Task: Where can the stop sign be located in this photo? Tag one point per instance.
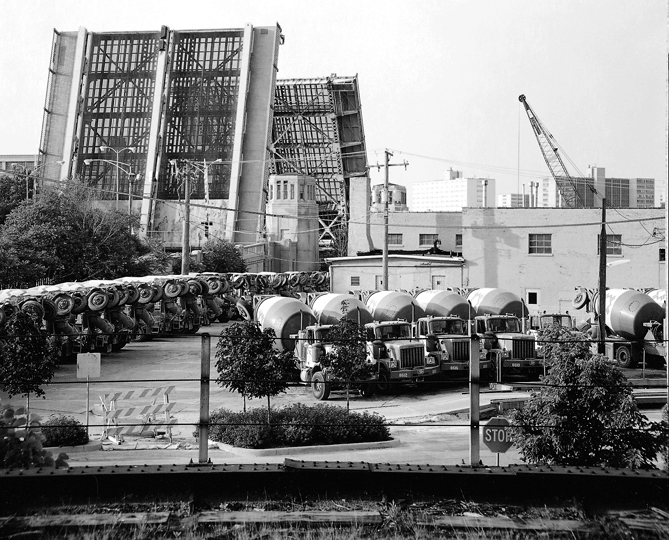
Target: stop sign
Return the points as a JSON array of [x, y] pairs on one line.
[[496, 435]]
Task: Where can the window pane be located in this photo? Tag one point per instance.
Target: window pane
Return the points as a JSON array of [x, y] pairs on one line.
[[395, 239], [427, 239], [540, 243], [458, 240]]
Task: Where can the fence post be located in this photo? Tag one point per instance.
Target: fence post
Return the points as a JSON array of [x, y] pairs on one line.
[[474, 405], [205, 369]]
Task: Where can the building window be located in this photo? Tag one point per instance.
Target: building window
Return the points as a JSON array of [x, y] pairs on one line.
[[540, 244], [532, 297], [662, 255], [355, 281], [285, 191], [278, 191], [427, 239], [458, 240], [271, 191], [613, 244], [395, 239], [292, 191]]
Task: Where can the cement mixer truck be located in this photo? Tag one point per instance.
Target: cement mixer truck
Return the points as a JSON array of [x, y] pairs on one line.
[[444, 331], [499, 320], [399, 355], [634, 326], [313, 341]]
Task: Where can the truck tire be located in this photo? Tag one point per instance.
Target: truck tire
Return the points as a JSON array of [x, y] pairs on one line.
[[320, 387], [580, 299], [244, 309], [383, 384], [624, 357], [367, 389]]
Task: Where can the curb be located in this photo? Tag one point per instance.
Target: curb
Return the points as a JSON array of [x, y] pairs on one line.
[[291, 450], [90, 446]]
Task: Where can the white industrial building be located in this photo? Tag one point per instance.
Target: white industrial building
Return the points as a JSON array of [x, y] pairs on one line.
[[453, 193], [540, 254]]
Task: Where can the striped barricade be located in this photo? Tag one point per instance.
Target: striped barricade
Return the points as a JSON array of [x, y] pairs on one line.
[[122, 417]]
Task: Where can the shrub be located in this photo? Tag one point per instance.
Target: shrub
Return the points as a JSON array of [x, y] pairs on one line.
[[21, 445], [665, 447], [296, 425], [63, 430]]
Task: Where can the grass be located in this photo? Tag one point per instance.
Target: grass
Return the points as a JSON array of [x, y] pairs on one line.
[[397, 519]]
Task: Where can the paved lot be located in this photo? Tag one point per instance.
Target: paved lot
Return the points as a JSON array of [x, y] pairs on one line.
[[423, 417]]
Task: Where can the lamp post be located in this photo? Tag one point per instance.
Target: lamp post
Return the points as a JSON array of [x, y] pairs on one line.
[[120, 165], [117, 152], [185, 237]]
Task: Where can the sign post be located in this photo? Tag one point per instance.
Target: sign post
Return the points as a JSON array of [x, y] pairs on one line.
[[88, 365], [497, 436]]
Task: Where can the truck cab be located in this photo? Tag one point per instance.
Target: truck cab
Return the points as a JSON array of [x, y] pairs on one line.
[[399, 356], [446, 339], [311, 344], [505, 344]]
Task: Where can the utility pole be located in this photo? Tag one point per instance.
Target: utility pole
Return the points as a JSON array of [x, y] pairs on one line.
[[386, 195], [185, 241], [602, 281]]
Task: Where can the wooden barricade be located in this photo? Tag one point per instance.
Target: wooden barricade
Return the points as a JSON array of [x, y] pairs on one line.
[[124, 415]]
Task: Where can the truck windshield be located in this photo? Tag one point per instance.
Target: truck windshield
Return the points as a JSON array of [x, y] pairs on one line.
[[497, 326], [394, 331], [560, 320], [322, 334], [445, 326]]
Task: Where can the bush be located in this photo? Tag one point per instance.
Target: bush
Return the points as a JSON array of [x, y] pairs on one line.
[[21, 445], [665, 447], [296, 425], [63, 430]]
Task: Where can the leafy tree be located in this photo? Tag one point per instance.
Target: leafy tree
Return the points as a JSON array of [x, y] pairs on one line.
[[12, 194], [248, 363], [556, 340], [347, 362], [65, 235], [28, 356], [584, 414], [221, 256]]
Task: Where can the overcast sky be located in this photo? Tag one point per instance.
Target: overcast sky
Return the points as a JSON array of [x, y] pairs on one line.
[[439, 79]]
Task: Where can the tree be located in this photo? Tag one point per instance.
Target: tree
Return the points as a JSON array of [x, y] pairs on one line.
[[221, 256], [248, 363], [584, 414], [28, 356], [347, 362], [12, 194], [66, 236]]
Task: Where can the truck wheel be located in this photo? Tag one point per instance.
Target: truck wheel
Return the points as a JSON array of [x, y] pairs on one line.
[[245, 310], [367, 389], [320, 388], [383, 382], [624, 357], [580, 299]]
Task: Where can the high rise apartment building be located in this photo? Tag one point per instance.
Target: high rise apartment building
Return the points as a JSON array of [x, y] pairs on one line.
[[453, 193], [619, 192]]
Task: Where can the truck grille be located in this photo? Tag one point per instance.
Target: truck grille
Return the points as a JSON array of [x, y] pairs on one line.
[[412, 357], [523, 348], [460, 351]]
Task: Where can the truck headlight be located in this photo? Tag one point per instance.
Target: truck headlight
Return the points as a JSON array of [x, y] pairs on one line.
[[445, 356], [506, 354], [430, 360], [393, 363]]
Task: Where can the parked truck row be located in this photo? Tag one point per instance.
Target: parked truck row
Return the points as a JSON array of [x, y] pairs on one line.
[[104, 315]]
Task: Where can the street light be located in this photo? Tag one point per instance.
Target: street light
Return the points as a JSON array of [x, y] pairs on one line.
[[117, 152], [120, 165]]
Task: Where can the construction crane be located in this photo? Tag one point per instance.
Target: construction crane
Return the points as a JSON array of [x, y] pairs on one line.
[[549, 148]]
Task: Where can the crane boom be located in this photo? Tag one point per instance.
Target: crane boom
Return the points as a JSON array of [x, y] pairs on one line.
[[565, 183]]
